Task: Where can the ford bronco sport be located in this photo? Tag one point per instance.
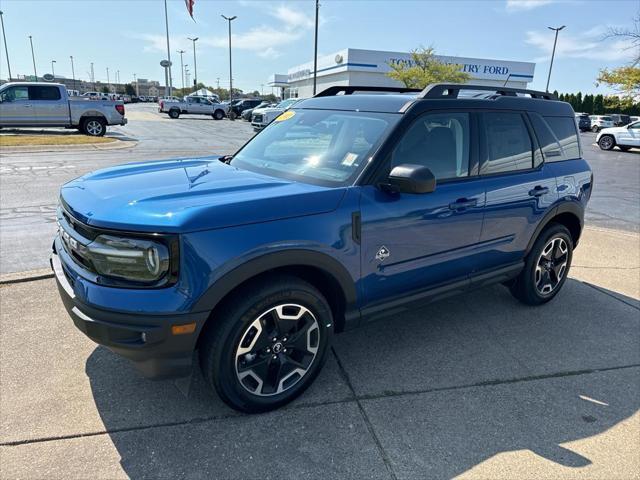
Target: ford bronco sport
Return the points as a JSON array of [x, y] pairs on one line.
[[349, 206]]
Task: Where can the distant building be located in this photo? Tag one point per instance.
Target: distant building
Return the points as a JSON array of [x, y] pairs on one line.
[[352, 66], [145, 87]]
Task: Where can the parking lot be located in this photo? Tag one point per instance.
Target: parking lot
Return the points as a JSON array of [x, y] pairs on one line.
[[477, 386]]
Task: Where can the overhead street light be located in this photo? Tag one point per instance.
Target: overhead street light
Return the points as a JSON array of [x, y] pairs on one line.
[[195, 64], [6, 49], [230, 19], [33, 57], [553, 53]]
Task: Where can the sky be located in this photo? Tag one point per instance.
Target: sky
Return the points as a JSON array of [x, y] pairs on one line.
[[273, 36]]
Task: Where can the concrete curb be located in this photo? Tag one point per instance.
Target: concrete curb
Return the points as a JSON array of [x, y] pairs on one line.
[[116, 145], [28, 276]]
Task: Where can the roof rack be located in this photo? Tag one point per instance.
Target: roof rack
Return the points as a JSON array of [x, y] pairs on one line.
[[451, 90], [350, 89]]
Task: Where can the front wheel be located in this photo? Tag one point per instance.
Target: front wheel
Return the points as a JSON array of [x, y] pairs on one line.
[[595, 129], [606, 142], [546, 267], [174, 113], [268, 344], [218, 115]]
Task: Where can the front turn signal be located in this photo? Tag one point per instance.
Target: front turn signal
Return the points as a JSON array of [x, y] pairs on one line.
[[183, 329]]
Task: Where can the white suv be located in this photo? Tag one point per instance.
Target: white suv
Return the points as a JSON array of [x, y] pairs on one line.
[[598, 122], [623, 137]]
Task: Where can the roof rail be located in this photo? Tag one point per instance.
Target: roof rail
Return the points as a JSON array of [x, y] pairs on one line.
[[350, 89], [451, 90]]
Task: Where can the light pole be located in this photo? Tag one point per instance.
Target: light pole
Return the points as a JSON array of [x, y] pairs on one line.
[[230, 19], [117, 79], [108, 81], [218, 83], [553, 53], [33, 57], [315, 50], [93, 79], [6, 49], [53, 70], [73, 73], [195, 64], [135, 79], [181, 69], [169, 87]]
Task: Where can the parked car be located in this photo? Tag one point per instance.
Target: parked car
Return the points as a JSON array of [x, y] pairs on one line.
[[73, 93], [142, 98], [598, 122], [634, 119], [27, 104], [246, 115], [240, 106], [620, 120], [193, 105], [96, 95], [345, 209], [624, 138], [584, 122], [264, 116]]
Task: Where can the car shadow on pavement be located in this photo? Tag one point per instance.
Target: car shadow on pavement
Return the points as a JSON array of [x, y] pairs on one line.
[[449, 387]]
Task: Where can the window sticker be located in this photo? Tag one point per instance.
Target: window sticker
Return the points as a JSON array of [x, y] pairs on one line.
[[285, 116], [349, 159]]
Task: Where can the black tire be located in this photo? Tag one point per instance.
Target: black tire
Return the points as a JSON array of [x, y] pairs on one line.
[[531, 285], [94, 126], [595, 129], [244, 330], [218, 115], [607, 142], [174, 113]]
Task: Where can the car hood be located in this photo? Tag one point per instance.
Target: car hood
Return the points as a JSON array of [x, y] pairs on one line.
[[613, 130], [185, 195]]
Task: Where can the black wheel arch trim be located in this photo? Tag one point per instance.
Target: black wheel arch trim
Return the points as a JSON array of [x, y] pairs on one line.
[[573, 207], [282, 259]]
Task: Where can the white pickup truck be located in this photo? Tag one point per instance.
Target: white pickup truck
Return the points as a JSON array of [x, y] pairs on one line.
[[24, 104], [193, 105]]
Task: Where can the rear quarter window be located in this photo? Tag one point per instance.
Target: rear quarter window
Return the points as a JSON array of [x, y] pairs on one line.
[[558, 137]]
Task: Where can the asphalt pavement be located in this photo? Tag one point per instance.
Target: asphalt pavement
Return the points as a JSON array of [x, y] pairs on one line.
[[477, 386], [29, 182]]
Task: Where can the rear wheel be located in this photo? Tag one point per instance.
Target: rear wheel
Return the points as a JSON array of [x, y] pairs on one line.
[[595, 129], [546, 267], [94, 127], [174, 113], [268, 345], [606, 142]]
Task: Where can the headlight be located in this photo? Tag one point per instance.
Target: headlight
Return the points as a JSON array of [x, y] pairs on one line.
[[131, 259]]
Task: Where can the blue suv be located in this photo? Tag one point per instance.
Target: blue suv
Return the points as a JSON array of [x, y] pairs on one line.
[[356, 204]]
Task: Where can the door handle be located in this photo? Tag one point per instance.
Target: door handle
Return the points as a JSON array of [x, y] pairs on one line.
[[538, 191], [463, 203]]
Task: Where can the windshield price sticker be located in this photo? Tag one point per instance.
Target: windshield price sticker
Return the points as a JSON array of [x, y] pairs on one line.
[[285, 116]]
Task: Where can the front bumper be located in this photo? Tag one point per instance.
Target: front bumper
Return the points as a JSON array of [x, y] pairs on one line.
[[146, 340]]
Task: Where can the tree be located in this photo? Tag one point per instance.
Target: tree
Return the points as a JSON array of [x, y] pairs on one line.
[[105, 89], [129, 90], [578, 107], [632, 35], [425, 68], [624, 79], [598, 105], [587, 104]]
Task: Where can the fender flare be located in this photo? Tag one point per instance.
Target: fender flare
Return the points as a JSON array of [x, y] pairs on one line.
[[573, 207], [264, 263]]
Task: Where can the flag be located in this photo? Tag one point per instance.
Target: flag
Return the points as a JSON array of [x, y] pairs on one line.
[[189, 4]]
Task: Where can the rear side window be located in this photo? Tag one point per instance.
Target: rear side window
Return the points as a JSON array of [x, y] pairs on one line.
[[44, 93], [506, 143], [557, 136]]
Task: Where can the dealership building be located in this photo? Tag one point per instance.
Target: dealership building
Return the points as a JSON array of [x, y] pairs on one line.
[[352, 66]]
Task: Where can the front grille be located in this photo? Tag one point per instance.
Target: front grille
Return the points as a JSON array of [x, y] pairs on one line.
[[257, 118]]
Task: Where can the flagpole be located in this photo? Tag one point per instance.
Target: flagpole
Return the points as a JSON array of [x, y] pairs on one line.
[[169, 87]]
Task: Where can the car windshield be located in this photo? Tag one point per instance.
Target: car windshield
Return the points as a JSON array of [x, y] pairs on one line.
[[287, 103], [316, 146], [606, 119]]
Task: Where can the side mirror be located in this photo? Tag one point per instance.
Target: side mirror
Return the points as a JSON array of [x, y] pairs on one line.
[[411, 178]]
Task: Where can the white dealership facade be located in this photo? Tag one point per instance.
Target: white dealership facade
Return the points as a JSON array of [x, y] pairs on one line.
[[352, 66]]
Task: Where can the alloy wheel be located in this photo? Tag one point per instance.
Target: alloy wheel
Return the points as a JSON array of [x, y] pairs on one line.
[[277, 349], [94, 128], [606, 142], [552, 265]]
